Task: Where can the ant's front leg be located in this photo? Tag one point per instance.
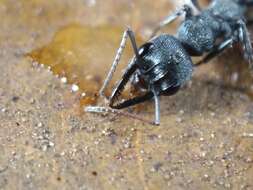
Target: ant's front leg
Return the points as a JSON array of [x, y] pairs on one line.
[[169, 19], [216, 51], [157, 107], [241, 35], [247, 2], [244, 39]]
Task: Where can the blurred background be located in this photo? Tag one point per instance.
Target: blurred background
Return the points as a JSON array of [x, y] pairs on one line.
[[53, 58]]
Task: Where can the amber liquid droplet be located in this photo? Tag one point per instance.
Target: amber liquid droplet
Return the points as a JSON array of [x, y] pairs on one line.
[[84, 56]]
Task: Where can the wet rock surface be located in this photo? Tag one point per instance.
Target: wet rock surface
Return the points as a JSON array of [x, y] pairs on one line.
[[205, 140]]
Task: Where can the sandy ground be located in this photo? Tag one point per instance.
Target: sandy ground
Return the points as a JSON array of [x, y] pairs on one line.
[[205, 140]]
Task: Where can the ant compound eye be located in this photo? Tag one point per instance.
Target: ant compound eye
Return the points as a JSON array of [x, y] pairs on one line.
[[144, 49]]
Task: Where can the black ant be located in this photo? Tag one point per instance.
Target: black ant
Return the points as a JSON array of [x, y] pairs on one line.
[[163, 64]]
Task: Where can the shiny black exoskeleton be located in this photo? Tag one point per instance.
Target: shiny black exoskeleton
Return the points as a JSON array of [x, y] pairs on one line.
[[224, 20], [163, 64]]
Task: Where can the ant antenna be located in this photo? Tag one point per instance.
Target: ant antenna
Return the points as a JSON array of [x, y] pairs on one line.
[[133, 42], [196, 4], [128, 33], [99, 109]]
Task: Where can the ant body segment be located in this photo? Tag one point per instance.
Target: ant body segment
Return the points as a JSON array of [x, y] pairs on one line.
[[164, 64]]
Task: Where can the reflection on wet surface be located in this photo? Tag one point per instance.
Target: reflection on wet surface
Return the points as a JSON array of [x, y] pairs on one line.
[[83, 55]]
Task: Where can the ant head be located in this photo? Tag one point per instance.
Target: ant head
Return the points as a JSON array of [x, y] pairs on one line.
[[163, 55], [158, 52]]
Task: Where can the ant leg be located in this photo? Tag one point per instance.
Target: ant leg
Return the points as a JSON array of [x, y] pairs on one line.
[[242, 36], [128, 33], [244, 39], [169, 19], [140, 99], [250, 22], [247, 2], [157, 109], [216, 51], [196, 4]]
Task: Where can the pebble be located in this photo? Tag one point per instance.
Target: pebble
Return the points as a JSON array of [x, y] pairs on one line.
[[247, 134], [4, 110], [74, 88], [179, 120], [64, 80], [40, 124]]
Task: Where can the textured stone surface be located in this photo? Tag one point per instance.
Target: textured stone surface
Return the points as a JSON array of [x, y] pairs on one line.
[[205, 140]]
